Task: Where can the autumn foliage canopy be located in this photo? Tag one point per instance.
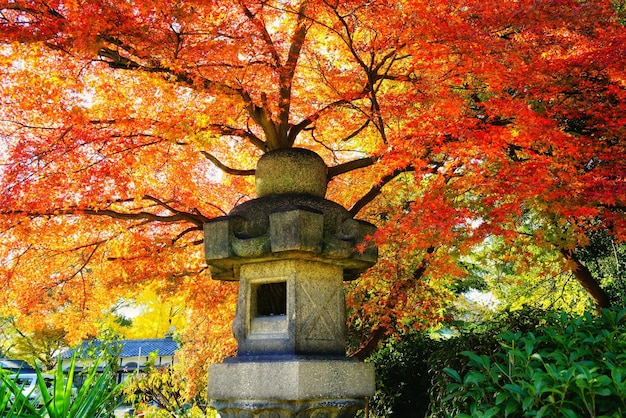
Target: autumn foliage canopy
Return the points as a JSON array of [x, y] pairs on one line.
[[125, 125]]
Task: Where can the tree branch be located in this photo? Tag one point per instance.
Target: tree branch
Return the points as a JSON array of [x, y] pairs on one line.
[[225, 168], [287, 73], [263, 31], [587, 281], [116, 60], [263, 118], [241, 133], [376, 189], [295, 130], [177, 215], [350, 166]]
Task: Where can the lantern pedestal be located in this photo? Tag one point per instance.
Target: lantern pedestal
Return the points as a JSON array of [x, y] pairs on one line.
[[290, 387]]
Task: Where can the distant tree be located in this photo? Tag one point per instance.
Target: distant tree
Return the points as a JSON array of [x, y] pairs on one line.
[[41, 346], [156, 315]]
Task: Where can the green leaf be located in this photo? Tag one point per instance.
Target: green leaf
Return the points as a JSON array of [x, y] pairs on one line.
[[491, 412], [473, 378], [43, 388], [453, 387], [502, 397], [477, 360], [12, 399], [510, 408], [616, 375], [527, 403], [530, 344], [568, 413], [453, 374], [515, 388]]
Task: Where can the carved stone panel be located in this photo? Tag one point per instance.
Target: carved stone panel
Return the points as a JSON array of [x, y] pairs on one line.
[[320, 313], [291, 307]]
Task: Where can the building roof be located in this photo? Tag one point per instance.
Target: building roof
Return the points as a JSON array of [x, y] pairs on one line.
[[15, 365], [132, 348], [163, 346]]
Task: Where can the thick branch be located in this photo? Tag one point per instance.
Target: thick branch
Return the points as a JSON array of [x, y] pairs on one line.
[[225, 168], [133, 61], [123, 215], [350, 166], [587, 281], [177, 215], [241, 133], [368, 346], [263, 118], [263, 31], [287, 73], [376, 189]]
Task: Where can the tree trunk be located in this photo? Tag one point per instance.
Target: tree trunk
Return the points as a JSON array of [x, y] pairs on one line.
[[370, 344], [378, 333], [587, 281]]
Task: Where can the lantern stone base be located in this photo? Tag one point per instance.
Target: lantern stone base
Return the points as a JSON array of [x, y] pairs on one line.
[[291, 388]]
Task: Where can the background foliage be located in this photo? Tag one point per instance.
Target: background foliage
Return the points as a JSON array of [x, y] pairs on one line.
[[526, 363]]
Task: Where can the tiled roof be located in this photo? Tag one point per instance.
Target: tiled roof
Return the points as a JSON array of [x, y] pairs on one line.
[[15, 365], [133, 348]]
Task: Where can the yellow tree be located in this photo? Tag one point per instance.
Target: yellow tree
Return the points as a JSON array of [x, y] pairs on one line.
[[156, 315], [39, 346]]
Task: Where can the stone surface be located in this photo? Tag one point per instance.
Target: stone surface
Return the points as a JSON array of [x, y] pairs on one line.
[[313, 321], [322, 408], [302, 380], [291, 249], [278, 227], [296, 230], [301, 172]]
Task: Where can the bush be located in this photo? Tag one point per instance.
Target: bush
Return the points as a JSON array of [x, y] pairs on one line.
[[409, 372], [161, 392], [402, 377], [573, 367], [575, 363]]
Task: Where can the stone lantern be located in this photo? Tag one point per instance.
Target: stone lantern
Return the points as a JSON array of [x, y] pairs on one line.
[[291, 250]]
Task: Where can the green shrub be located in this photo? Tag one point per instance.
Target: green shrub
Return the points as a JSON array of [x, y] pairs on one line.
[[402, 377], [410, 380], [573, 367]]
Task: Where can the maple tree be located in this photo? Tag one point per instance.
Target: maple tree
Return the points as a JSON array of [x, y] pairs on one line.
[[127, 125]]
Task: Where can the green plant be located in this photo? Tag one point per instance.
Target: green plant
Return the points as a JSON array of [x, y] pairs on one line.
[[402, 376], [410, 381], [97, 397], [574, 367], [161, 392], [12, 401]]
